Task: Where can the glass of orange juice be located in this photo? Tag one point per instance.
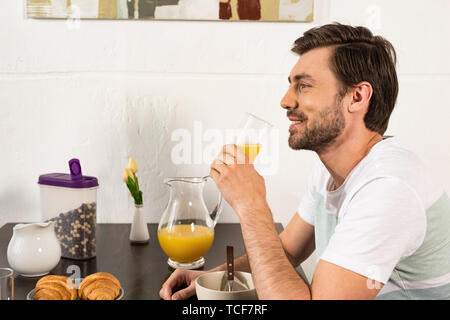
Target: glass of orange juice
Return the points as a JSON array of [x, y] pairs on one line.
[[253, 133]]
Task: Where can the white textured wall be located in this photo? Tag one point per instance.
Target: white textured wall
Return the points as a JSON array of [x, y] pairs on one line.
[[114, 89]]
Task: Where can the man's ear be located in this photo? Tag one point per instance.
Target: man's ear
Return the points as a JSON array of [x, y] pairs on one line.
[[361, 94]]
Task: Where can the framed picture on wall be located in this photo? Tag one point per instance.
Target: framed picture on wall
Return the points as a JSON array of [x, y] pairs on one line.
[[224, 10]]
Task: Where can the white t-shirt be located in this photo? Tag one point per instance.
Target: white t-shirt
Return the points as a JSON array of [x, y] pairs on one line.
[[381, 215]]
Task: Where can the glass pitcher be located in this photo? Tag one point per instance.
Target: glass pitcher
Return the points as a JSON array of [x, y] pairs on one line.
[[186, 229]]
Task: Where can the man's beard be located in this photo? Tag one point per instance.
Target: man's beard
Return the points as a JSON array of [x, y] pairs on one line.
[[322, 132]]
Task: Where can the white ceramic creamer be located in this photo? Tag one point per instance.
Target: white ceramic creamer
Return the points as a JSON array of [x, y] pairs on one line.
[[34, 249]]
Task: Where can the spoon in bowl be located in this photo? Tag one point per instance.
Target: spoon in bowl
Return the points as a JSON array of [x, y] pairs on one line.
[[230, 267]]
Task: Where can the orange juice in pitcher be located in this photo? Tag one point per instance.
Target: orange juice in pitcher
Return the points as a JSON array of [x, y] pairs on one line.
[[186, 228], [186, 242]]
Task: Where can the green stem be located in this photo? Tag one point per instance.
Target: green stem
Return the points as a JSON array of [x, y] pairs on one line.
[[133, 186]]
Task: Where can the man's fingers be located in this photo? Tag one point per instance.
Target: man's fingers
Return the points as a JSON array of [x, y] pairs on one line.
[[166, 289], [226, 158], [185, 293], [172, 282], [214, 174], [165, 293], [219, 166], [241, 157], [236, 153]]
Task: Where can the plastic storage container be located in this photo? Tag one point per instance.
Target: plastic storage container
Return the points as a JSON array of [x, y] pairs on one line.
[[70, 200]]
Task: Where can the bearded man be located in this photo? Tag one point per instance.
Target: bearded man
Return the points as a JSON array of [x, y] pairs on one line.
[[377, 221]]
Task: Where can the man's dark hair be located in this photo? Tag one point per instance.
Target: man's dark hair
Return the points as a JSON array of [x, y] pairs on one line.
[[358, 56]]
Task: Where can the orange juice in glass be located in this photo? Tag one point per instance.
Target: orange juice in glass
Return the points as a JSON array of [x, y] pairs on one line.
[[251, 150], [253, 132]]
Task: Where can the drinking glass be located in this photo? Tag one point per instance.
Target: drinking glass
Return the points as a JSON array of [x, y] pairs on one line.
[[253, 133], [6, 284]]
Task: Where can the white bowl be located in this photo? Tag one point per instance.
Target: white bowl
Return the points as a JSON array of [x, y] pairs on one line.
[[214, 286]]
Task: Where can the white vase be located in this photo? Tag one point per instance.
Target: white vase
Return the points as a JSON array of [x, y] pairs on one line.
[[139, 230]]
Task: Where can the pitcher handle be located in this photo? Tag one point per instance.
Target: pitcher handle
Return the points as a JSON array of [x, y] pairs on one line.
[[215, 213]]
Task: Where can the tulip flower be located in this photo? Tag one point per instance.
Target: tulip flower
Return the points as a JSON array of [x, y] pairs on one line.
[[132, 165], [127, 172], [131, 180]]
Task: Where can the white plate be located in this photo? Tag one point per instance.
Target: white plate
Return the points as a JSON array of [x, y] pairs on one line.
[[30, 295]]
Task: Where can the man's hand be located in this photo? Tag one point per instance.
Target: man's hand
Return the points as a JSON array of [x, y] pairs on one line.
[[180, 285], [238, 181]]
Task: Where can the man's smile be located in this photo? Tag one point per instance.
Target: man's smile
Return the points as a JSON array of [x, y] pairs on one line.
[[296, 122], [295, 125]]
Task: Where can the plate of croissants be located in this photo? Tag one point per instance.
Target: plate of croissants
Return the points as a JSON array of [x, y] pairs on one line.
[[96, 286]]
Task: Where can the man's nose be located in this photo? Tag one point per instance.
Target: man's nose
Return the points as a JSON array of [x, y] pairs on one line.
[[289, 100]]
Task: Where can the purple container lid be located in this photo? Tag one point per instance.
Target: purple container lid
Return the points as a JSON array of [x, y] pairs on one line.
[[73, 180]]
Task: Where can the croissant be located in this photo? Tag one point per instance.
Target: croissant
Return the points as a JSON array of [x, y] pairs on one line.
[[55, 288], [99, 286]]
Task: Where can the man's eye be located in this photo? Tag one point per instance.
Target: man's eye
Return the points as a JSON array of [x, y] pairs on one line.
[[301, 86]]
